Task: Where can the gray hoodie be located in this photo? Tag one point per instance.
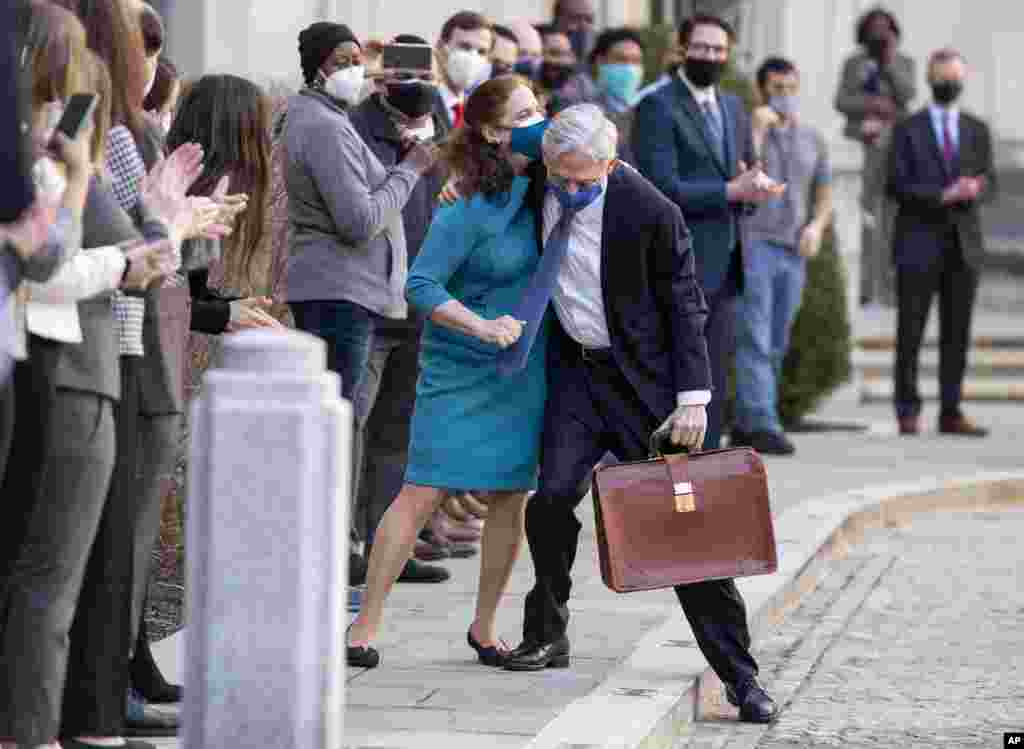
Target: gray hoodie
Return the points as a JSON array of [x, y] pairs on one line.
[[345, 210]]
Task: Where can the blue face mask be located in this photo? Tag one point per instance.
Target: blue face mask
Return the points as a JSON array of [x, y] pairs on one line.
[[620, 80], [527, 140], [528, 67], [575, 201]]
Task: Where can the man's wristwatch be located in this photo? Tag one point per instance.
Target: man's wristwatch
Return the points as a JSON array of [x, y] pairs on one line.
[[127, 269]]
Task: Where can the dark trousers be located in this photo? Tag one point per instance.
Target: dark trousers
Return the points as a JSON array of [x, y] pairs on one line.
[[592, 408], [720, 332], [956, 283], [101, 635], [348, 330], [32, 392], [387, 394], [42, 590]]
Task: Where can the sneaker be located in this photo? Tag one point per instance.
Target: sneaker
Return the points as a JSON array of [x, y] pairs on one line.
[[771, 443]]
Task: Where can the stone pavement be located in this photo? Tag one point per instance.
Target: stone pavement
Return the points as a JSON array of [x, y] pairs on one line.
[[913, 639], [429, 692]]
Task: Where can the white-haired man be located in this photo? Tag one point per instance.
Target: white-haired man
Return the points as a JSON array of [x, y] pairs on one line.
[[627, 356]]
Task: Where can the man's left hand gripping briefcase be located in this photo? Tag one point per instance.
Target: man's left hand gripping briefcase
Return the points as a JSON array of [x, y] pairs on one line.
[[681, 519]]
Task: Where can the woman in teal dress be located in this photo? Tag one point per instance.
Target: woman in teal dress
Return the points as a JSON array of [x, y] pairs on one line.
[[472, 427]]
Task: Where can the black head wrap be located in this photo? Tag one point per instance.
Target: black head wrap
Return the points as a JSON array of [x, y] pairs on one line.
[[316, 43]]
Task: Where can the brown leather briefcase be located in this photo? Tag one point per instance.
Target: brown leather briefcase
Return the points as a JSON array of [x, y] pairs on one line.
[[682, 519]]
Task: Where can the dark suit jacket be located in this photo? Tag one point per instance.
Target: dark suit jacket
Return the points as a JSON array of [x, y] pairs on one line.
[[16, 188], [672, 148], [653, 303], [376, 127], [917, 176]]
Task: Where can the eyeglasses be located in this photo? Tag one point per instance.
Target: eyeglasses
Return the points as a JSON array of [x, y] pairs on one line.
[[564, 183], [704, 49]]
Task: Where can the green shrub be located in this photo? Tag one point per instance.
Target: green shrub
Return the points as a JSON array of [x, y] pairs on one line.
[[818, 360]]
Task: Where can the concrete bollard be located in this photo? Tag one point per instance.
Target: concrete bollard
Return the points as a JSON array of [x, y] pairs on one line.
[[267, 548]]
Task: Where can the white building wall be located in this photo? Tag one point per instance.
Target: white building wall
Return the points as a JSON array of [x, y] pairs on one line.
[[819, 34]]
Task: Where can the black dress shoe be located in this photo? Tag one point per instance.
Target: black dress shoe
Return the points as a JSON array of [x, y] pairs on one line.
[[739, 438], [771, 443], [489, 656], [146, 677], [356, 570], [754, 703], [151, 723], [362, 657], [536, 657], [418, 572]]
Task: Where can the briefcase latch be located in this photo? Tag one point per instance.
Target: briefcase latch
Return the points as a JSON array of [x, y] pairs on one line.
[[684, 499]]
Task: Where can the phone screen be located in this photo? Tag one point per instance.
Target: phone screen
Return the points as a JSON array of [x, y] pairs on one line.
[[407, 56], [78, 109]]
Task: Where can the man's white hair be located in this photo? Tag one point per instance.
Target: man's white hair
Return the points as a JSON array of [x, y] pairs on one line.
[[583, 128]]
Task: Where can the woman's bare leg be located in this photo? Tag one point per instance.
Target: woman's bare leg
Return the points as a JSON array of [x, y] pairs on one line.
[[393, 545], [502, 540]]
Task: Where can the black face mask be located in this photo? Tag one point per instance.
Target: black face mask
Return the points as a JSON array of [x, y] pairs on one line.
[[553, 75], [703, 73], [946, 92], [876, 46], [411, 99]]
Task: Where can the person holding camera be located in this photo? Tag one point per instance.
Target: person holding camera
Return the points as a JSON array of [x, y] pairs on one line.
[[348, 263], [391, 122]]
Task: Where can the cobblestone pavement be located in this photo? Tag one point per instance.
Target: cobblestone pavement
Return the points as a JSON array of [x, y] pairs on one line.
[[913, 640]]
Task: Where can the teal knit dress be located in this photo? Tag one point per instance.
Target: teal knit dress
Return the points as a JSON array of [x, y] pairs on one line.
[[473, 428]]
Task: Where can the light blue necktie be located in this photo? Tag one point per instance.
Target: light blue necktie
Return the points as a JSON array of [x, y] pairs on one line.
[[534, 303], [713, 118]]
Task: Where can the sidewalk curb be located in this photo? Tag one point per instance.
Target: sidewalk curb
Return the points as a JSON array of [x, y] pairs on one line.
[[651, 699]]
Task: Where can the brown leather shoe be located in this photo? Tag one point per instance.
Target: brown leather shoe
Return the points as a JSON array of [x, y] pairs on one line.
[[909, 425], [960, 425]]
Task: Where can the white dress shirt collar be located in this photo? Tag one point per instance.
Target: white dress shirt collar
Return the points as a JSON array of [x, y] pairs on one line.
[[702, 95]]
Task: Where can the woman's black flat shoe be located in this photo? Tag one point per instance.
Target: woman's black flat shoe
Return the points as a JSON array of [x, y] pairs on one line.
[[362, 657], [490, 656]]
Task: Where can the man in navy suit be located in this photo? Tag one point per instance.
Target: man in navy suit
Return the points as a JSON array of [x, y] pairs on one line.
[[626, 357], [940, 168], [694, 143]]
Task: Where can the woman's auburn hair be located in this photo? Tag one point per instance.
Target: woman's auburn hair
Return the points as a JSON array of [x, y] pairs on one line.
[[478, 165], [230, 118]]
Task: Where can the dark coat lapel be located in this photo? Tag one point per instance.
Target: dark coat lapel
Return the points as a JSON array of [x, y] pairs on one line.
[[933, 140], [614, 227], [727, 128], [535, 196], [690, 110]]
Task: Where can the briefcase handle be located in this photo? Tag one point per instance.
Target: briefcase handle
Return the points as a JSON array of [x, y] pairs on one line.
[[661, 443]]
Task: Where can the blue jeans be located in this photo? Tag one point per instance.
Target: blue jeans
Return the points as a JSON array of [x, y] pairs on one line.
[[348, 329], [771, 297]]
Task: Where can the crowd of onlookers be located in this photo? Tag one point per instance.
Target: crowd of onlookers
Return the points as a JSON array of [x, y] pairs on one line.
[[118, 227]]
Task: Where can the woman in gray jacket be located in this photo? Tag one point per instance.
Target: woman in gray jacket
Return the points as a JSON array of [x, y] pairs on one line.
[[348, 262]]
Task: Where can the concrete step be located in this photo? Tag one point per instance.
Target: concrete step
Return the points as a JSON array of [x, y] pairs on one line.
[[981, 363], [999, 342], [880, 389]]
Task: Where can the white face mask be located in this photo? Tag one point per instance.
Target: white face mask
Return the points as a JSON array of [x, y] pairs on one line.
[[465, 67], [346, 84]]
